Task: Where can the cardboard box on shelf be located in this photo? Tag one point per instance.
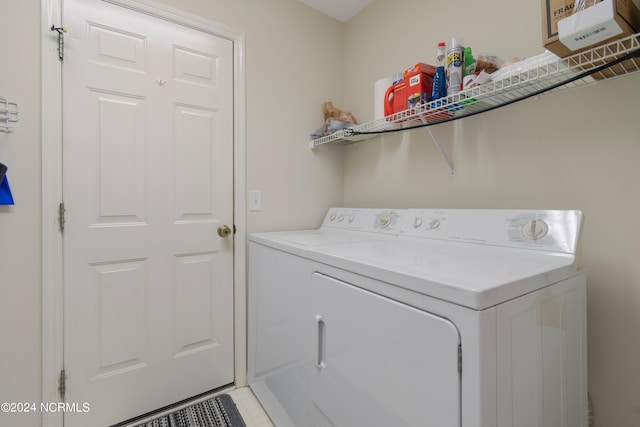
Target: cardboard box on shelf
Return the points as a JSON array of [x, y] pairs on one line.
[[419, 82], [601, 22]]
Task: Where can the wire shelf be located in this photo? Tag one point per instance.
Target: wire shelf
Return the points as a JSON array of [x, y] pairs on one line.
[[611, 60], [8, 114]]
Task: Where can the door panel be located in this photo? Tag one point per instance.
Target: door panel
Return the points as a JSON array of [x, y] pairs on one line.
[[379, 362], [118, 186], [194, 181], [193, 303], [148, 140], [117, 296]]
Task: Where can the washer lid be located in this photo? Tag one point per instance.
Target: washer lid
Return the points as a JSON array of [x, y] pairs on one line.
[[471, 275], [302, 240], [340, 225]]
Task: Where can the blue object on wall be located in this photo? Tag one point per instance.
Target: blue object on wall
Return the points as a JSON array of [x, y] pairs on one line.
[[5, 192]]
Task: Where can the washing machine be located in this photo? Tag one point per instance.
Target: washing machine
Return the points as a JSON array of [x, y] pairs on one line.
[[421, 317]]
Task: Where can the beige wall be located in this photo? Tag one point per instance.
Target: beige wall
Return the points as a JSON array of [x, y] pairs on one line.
[[20, 225], [573, 150]]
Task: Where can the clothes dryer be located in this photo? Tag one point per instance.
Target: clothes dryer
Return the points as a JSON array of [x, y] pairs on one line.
[[456, 318]]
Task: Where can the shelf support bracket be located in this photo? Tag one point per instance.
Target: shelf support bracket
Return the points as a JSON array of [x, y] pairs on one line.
[[443, 153]]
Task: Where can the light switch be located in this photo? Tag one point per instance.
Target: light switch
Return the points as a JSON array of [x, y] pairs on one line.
[[255, 200]]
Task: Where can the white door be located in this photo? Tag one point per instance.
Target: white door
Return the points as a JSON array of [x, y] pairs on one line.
[[148, 288], [379, 362]]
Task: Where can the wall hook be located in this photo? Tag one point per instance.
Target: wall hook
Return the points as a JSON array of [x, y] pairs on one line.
[[8, 114], [160, 81]]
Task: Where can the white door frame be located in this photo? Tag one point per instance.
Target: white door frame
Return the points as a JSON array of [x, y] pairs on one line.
[[52, 261]]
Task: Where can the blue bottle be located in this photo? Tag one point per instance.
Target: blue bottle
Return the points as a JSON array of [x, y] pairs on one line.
[[439, 89]]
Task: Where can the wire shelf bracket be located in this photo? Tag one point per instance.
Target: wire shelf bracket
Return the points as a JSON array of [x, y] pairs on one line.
[[443, 153]]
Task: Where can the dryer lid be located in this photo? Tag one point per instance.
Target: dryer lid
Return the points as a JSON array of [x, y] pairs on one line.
[[471, 275]]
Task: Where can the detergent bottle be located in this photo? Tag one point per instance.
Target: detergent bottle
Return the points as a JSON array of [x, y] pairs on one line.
[[395, 99]]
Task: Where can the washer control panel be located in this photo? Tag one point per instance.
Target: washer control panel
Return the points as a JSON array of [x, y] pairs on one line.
[[386, 221], [546, 230]]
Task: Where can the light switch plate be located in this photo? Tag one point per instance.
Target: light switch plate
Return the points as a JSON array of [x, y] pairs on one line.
[[255, 200]]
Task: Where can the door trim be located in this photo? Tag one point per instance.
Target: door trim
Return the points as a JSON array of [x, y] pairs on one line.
[[52, 239]]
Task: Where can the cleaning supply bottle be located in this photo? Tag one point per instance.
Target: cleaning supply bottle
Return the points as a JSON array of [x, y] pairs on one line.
[[395, 99], [440, 79], [455, 65], [469, 62]]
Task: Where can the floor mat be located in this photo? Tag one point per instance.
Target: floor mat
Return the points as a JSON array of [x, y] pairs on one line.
[[219, 411]]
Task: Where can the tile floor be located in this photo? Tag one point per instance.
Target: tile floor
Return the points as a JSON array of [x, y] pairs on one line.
[[250, 409]]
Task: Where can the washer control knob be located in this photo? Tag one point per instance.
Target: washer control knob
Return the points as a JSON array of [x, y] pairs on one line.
[[350, 218], [384, 221], [332, 217], [535, 229], [434, 223], [417, 222], [340, 218]]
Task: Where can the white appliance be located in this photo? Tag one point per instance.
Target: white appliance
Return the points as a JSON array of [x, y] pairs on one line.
[[421, 317]]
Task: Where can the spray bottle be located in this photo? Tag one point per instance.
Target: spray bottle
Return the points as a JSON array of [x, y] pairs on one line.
[[455, 65], [469, 62], [440, 79]]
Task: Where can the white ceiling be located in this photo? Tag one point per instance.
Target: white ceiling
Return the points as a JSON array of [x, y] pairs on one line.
[[342, 10]]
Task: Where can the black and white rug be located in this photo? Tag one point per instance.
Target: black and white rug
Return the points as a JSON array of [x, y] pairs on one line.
[[219, 411]]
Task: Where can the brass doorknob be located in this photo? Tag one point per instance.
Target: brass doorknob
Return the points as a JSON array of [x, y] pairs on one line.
[[224, 231]]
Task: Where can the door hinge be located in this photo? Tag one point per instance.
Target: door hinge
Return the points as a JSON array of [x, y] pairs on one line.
[[60, 31], [460, 359], [61, 219], [62, 379]]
